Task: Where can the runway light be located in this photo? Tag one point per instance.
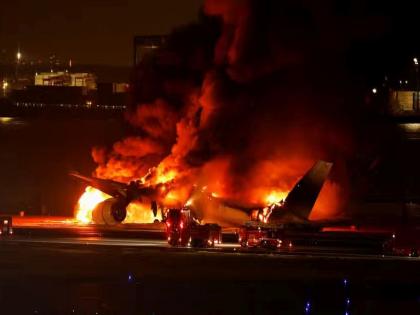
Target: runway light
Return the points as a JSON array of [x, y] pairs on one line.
[[130, 278], [374, 91], [307, 307]]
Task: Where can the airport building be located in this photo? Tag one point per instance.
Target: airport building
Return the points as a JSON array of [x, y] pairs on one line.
[[84, 80], [404, 101]]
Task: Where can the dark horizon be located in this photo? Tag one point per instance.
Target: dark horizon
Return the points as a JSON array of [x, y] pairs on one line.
[[88, 32]]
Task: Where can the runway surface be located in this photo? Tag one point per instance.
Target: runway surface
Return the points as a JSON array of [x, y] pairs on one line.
[[294, 252], [66, 231], [67, 269]]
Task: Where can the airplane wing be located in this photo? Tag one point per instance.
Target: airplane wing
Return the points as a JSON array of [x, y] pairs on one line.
[[110, 187]]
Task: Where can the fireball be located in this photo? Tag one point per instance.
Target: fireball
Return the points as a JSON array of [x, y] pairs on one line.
[[87, 202], [141, 213], [275, 197], [136, 211], [163, 177]]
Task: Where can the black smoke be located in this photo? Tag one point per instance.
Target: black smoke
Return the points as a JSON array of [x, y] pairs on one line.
[[268, 86]]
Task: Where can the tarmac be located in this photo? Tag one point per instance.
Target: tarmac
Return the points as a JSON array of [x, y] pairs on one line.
[[70, 269]]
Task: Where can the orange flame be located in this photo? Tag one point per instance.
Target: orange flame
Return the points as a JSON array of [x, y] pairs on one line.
[[136, 211], [164, 176], [87, 202], [274, 197], [141, 213]]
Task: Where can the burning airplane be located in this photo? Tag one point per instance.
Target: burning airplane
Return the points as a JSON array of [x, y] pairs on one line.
[[106, 201], [237, 105]]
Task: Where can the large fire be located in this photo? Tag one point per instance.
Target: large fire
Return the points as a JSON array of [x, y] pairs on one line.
[[141, 213], [136, 211], [214, 112], [87, 203], [275, 197]]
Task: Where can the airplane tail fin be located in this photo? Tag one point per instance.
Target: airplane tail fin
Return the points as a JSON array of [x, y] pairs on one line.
[[302, 197]]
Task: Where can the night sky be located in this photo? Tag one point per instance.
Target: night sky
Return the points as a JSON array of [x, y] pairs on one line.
[[88, 31]]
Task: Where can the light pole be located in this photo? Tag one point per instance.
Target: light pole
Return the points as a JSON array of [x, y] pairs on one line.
[[416, 65]]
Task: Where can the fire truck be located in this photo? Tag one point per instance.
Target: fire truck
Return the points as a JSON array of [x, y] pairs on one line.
[[182, 229], [266, 236]]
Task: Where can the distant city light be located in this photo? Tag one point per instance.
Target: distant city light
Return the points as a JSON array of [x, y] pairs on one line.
[[416, 62], [5, 120], [18, 56], [5, 85], [374, 91]]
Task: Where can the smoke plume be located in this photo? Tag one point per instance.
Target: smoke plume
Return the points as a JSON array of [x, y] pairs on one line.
[[243, 103]]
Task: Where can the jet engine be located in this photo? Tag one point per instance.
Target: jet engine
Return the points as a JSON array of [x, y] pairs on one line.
[[109, 212]]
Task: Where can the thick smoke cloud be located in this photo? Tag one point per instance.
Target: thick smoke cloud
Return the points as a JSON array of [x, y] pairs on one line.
[[244, 102]]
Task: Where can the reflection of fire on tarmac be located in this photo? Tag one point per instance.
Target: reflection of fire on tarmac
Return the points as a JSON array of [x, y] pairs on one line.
[[38, 221], [54, 223]]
